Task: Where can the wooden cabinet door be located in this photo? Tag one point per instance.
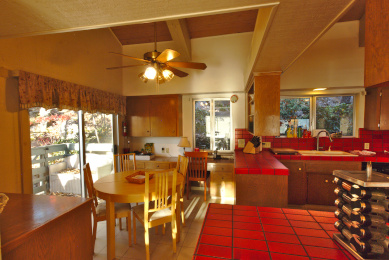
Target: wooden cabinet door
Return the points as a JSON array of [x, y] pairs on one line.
[[384, 118], [138, 117], [297, 182], [222, 185], [163, 116], [372, 108], [321, 189]]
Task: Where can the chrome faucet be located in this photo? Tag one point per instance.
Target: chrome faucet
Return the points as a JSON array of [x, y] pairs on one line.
[[318, 137]]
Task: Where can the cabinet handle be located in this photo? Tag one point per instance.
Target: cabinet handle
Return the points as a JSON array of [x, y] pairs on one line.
[[299, 169], [326, 181]]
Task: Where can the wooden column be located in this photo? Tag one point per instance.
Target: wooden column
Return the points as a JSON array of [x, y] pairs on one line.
[[376, 42], [267, 104]]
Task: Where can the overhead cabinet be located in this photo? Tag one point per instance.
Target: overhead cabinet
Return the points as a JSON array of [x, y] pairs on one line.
[[264, 105], [158, 116], [377, 108]]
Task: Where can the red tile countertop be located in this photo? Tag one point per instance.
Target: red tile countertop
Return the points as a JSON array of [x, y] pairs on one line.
[[260, 163], [266, 162], [379, 157], [249, 232]]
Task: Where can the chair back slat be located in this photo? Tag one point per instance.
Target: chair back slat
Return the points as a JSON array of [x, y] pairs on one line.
[[122, 162], [91, 192], [197, 166], [161, 199]]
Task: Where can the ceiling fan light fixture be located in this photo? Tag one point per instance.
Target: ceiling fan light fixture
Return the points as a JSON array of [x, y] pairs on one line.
[[150, 73], [143, 77], [168, 75]]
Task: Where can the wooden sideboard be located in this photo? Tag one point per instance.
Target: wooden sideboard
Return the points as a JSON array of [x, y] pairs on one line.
[[46, 227]]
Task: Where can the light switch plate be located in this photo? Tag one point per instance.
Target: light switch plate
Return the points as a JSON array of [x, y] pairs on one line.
[[366, 146], [240, 143], [266, 145], [167, 150]]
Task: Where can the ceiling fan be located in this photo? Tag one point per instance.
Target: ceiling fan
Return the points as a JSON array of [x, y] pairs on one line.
[[159, 64]]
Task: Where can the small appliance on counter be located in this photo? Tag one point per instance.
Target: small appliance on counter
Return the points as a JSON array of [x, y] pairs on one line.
[[143, 156]]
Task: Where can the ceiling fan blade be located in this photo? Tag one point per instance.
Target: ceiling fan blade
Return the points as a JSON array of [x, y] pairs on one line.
[[189, 65], [167, 55], [177, 72], [134, 58], [128, 66]]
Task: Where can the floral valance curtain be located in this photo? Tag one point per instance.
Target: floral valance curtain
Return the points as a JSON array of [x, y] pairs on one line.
[[40, 91]]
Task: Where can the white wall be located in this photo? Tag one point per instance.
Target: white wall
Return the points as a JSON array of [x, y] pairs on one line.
[[238, 121], [225, 57], [335, 60]]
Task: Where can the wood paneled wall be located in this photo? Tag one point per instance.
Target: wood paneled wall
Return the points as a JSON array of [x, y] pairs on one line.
[[376, 42]]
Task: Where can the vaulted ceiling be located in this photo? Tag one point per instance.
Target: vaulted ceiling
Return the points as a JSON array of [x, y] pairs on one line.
[[283, 30]]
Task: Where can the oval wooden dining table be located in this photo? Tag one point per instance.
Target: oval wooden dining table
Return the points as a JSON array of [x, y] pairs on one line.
[[115, 188]]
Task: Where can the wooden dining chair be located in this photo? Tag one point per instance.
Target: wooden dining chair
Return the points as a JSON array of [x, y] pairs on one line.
[[182, 167], [157, 209], [197, 170], [122, 162], [122, 210]]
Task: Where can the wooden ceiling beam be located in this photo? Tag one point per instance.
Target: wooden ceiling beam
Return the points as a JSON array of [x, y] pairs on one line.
[[180, 35]]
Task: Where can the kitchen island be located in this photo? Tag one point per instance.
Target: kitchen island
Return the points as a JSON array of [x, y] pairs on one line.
[[260, 180], [249, 232], [46, 227]]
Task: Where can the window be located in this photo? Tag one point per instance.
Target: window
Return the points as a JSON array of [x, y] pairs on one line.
[[294, 111], [332, 113], [212, 124]]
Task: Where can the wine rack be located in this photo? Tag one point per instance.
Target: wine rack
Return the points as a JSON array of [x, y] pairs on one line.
[[363, 213]]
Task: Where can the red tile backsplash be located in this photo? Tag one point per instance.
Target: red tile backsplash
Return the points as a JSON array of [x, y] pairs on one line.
[[374, 138]]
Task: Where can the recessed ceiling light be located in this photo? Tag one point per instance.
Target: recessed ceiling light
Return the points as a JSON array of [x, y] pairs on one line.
[[318, 89]]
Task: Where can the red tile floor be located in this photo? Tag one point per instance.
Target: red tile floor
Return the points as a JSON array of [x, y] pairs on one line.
[[249, 232]]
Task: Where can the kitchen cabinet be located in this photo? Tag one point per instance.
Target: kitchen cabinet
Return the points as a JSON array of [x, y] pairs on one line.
[[320, 189], [158, 116], [297, 182], [376, 42], [377, 108], [264, 105], [222, 184], [153, 165], [310, 182]]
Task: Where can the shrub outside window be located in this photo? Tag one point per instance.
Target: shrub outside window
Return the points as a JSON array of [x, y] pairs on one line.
[[332, 113]]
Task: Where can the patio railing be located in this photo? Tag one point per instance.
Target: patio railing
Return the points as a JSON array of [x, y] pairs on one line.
[[44, 156]]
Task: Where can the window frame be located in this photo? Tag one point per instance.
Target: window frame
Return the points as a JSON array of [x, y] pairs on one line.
[[212, 121], [312, 108]]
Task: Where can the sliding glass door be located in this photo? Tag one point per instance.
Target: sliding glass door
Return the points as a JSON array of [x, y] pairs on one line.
[[57, 155]]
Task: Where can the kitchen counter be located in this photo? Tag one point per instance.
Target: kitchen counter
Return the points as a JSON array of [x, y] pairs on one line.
[[46, 227], [261, 163], [174, 159], [250, 232]]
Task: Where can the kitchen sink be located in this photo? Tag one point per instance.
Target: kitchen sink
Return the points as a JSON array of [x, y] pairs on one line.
[[324, 153]]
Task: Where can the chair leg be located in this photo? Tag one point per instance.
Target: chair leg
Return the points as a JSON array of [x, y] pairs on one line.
[[187, 189], [205, 190], [120, 224], [134, 227], [147, 242], [174, 233], [94, 235], [129, 228], [182, 213], [163, 228]]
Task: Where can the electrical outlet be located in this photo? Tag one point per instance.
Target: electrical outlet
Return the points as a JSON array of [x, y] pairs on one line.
[[266, 145], [241, 143], [167, 150], [366, 146], [163, 150]]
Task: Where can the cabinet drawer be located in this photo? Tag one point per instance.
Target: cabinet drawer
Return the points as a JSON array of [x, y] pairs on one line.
[[139, 165], [223, 168], [153, 165], [329, 166]]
